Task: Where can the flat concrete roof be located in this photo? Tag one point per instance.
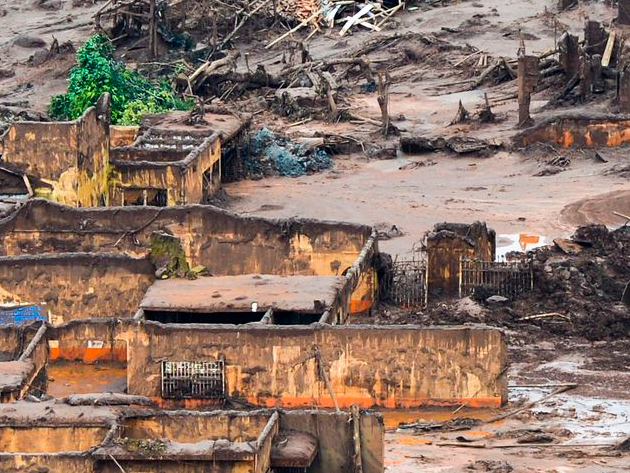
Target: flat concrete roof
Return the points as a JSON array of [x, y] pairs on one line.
[[237, 293]]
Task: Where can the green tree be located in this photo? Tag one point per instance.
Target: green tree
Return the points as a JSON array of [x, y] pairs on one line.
[[97, 72]]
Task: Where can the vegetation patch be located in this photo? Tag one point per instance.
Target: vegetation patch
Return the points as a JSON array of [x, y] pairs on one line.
[[96, 72]]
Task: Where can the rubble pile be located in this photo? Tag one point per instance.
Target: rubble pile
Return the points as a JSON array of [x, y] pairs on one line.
[[584, 281], [268, 154]]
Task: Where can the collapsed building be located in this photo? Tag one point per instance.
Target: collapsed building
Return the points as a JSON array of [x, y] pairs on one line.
[[268, 318], [87, 162]]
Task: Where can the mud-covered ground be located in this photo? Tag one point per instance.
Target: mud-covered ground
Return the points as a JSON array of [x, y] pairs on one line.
[[428, 53]]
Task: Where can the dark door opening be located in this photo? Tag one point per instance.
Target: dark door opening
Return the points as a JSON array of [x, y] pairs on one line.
[[180, 317], [287, 317]]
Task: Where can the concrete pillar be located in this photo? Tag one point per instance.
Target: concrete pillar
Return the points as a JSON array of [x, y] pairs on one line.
[[528, 75]]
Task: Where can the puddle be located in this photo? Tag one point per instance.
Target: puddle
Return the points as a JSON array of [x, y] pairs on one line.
[[65, 379], [518, 242]]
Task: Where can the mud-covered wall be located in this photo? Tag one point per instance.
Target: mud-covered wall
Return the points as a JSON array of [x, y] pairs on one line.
[[13, 340], [446, 245], [383, 366], [44, 439], [120, 135], [178, 172], [195, 428], [87, 341], [135, 177], [93, 157], [578, 131], [71, 157], [334, 432], [227, 244], [49, 463], [207, 156], [76, 285]]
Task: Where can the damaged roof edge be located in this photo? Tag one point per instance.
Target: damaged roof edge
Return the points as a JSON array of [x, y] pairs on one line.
[[182, 163], [140, 210]]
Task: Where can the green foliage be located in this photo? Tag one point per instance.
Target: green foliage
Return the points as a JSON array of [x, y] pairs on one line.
[[97, 72]]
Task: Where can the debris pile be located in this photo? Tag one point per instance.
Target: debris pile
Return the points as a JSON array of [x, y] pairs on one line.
[[584, 279], [268, 154]]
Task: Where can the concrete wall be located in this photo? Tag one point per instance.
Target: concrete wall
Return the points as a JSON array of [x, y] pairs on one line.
[[334, 432], [386, 366], [177, 172], [49, 463], [71, 157], [76, 285], [578, 131], [446, 245]]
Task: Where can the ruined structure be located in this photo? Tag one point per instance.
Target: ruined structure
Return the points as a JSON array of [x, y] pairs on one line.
[[88, 163], [447, 245], [76, 439], [172, 163], [271, 318], [64, 161]]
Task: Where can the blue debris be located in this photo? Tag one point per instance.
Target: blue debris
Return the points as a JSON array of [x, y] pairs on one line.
[[22, 315], [268, 154]]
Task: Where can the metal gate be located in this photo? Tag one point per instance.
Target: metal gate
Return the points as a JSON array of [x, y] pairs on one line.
[[406, 285], [492, 277], [193, 379]]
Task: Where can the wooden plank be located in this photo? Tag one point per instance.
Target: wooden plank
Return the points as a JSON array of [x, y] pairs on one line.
[[609, 48], [362, 12]]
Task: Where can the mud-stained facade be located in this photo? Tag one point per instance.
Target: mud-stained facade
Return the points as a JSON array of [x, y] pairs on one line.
[[387, 366], [224, 243], [107, 440], [88, 163], [76, 285], [446, 245], [578, 131], [67, 162], [165, 175]]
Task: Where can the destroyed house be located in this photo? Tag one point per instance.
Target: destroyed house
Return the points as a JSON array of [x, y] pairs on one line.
[[100, 262], [64, 161], [169, 162], [74, 436], [264, 322], [88, 163]]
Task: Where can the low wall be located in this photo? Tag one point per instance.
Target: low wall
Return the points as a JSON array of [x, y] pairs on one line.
[[72, 156], [385, 366], [578, 131], [76, 285], [334, 432], [227, 244]]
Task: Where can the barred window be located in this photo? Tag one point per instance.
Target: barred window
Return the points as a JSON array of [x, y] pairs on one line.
[[193, 379]]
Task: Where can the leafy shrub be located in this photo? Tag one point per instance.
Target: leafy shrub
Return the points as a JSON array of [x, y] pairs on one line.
[[97, 72]]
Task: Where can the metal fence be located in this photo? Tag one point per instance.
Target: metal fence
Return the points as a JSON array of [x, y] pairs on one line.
[[491, 277], [193, 379], [406, 285]]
